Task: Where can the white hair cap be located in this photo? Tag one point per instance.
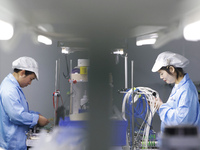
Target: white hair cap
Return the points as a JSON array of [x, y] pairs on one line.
[[169, 58], [26, 63]]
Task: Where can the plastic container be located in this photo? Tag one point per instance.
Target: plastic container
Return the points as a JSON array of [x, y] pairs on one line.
[[118, 132], [83, 70]]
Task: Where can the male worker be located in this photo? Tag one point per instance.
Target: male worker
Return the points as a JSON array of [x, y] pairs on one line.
[[15, 116]]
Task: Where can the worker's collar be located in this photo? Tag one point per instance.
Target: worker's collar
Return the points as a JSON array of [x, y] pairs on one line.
[[13, 79], [181, 83]]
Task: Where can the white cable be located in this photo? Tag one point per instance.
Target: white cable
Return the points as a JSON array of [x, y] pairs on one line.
[[151, 97], [126, 97]]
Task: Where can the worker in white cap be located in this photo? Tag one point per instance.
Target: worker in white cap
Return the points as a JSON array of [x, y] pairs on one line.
[[182, 106], [15, 116]]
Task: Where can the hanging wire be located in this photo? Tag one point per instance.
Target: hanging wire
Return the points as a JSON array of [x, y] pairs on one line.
[[68, 72]]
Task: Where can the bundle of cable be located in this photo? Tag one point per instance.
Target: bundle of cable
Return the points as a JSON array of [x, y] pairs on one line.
[[151, 97]]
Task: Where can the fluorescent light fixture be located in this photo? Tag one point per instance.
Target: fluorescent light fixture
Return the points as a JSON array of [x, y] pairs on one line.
[[6, 30], [44, 40], [65, 50], [191, 32], [119, 51], [146, 39]]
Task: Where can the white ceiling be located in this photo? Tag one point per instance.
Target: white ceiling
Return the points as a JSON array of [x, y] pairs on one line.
[[80, 20]]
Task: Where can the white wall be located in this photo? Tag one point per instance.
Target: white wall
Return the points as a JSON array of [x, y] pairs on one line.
[[144, 58], [39, 94]]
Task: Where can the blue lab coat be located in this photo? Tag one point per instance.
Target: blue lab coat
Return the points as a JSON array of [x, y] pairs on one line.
[[15, 117], [182, 107]]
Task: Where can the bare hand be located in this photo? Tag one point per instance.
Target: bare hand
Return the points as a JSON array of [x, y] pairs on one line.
[[159, 102], [42, 121]]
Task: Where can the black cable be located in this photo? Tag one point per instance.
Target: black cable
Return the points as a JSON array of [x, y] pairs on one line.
[[68, 73]]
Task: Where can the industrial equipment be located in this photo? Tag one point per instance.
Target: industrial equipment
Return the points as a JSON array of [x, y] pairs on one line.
[[138, 108], [79, 87]]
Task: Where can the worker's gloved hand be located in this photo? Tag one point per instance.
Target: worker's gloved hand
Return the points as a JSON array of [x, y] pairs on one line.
[[42, 121]]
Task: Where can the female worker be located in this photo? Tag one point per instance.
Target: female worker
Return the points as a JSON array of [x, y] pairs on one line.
[[182, 106], [15, 116]]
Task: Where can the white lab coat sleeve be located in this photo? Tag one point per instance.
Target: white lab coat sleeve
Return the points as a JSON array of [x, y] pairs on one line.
[[16, 111]]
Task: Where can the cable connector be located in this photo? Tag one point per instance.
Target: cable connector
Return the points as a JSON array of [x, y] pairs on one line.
[[57, 93], [72, 81]]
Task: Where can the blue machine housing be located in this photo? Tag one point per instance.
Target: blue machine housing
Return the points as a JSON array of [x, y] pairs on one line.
[[118, 129]]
